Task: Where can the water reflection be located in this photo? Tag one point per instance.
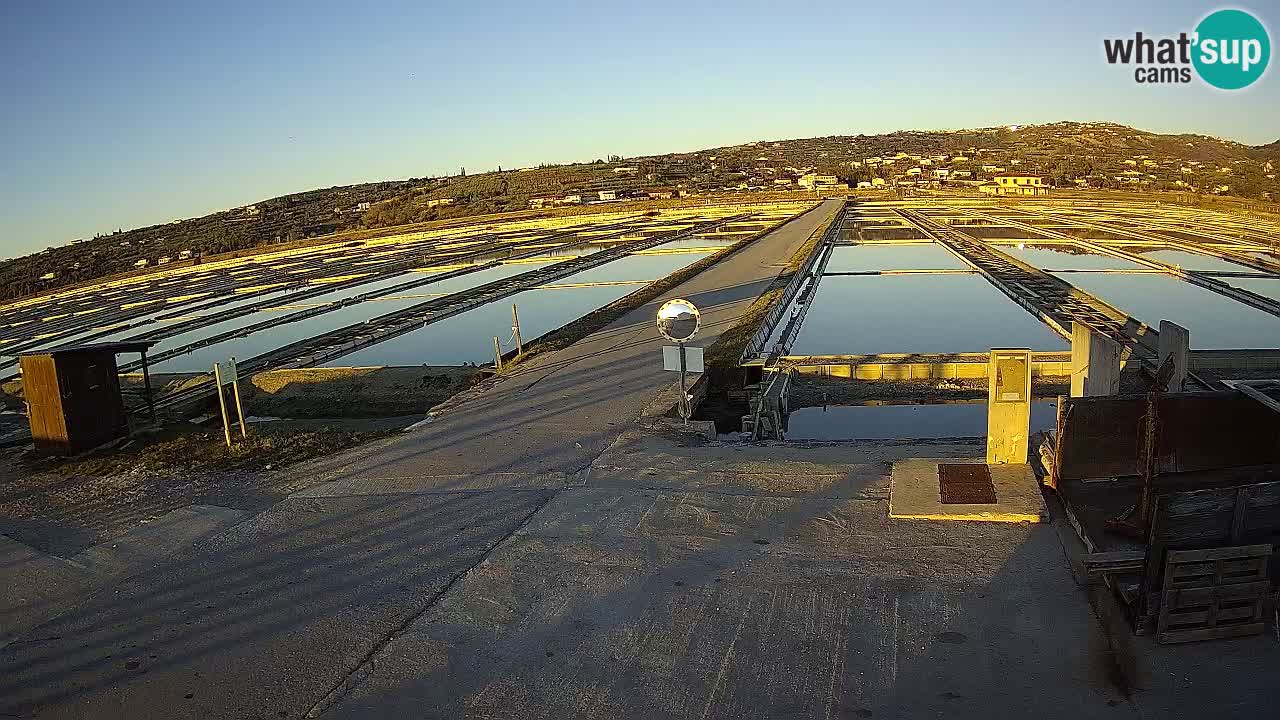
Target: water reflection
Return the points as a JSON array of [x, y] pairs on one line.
[[1062, 258], [1194, 261], [861, 258], [1215, 322], [202, 359], [889, 422], [916, 314], [468, 338], [1266, 287]]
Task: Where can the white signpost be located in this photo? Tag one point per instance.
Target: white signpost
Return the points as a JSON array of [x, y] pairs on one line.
[[231, 376], [692, 358], [678, 321]]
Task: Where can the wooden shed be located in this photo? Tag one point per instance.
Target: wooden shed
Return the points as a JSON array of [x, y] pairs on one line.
[[74, 397]]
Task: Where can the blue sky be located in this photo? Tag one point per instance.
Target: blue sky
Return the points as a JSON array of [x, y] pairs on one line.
[[123, 114]]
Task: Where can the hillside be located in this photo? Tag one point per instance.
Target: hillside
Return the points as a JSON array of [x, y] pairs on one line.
[[1088, 155]]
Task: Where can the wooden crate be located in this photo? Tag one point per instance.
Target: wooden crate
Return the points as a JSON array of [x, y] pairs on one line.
[[1215, 593]]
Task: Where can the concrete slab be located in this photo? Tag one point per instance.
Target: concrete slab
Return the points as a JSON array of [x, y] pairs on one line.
[[674, 604], [35, 585], [643, 459], [433, 484], [148, 544], [914, 494], [261, 620], [38, 586]]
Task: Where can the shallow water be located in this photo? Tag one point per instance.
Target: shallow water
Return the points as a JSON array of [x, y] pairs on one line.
[[862, 258], [1215, 322], [1266, 287], [264, 340], [887, 422], [468, 338], [471, 341], [1195, 261], [703, 241], [916, 314], [1047, 258]]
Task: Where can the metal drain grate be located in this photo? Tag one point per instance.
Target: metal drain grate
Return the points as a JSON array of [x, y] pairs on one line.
[[966, 485]]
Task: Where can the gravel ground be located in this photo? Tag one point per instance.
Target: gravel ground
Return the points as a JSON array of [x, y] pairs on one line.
[[62, 506]]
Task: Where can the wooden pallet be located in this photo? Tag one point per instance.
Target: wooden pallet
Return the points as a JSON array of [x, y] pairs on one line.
[[1215, 593], [1202, 519]]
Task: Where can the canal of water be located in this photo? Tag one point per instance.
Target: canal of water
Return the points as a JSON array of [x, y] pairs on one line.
[[889, 422]]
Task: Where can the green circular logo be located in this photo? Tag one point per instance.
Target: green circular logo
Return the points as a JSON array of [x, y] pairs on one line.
[[1232, 49]]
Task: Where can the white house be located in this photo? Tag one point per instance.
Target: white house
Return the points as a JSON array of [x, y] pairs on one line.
[[1015, 185]]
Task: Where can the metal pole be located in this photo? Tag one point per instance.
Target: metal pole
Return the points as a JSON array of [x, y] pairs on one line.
[[684, 394], [146, 384], [235, 388], [515, 330], [222, 403], [497, 354]]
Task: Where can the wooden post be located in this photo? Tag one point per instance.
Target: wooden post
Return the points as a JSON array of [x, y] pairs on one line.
[[1150, 461], [222, 403], [497, 354], [515, 330], [235, 388]]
